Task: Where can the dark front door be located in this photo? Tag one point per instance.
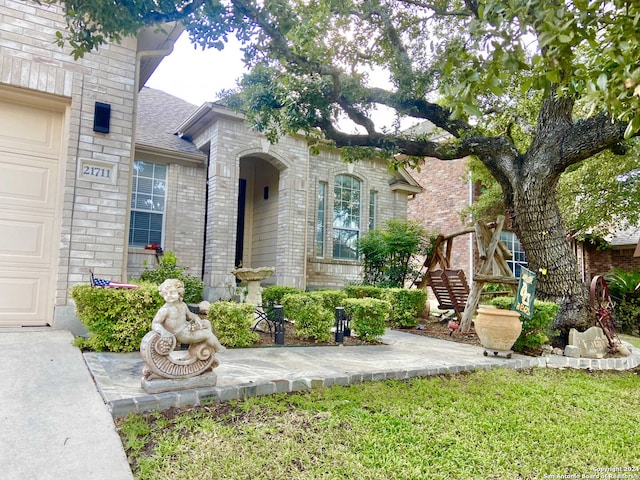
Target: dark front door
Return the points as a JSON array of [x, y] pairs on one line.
[[242, 199]]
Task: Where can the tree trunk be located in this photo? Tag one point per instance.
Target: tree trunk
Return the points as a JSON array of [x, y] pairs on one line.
[[538, 224]]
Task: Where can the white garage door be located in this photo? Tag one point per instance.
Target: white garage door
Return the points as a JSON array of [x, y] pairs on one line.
[[31, 139]]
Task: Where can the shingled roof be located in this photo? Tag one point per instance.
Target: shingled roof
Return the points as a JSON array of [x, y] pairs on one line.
[[159, 115]]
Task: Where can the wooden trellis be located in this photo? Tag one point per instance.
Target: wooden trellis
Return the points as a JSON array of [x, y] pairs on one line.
[[493, 267]]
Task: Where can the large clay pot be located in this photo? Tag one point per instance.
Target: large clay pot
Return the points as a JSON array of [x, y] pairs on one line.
[[497, 329]]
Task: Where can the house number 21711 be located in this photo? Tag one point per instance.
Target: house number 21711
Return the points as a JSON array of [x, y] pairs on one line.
[[96, 171]]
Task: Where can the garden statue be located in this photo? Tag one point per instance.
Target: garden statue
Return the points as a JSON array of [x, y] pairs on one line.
[[175, 324]]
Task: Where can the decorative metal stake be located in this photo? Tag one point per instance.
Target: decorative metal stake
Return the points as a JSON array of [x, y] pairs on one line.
[[279, 325], [340, 324]]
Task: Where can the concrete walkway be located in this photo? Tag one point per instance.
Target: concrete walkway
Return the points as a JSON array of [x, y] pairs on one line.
[[57, 421], [263, 371], [53, 422]]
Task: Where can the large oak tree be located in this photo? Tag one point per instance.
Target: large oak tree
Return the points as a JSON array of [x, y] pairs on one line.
[[455, 63]]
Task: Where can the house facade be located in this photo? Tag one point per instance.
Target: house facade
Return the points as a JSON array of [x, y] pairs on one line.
[[234, 199], [66, 138], [78, 195]]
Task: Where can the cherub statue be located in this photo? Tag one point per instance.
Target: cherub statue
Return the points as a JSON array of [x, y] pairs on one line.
[[175, 318], [174, 324]]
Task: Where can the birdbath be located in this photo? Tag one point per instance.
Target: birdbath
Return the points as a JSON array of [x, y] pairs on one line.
[[253, 277]]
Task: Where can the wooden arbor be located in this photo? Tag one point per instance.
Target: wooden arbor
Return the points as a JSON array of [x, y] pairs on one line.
[[493, 267]]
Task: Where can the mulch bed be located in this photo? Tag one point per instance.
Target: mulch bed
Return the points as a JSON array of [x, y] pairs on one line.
[[430, 326]]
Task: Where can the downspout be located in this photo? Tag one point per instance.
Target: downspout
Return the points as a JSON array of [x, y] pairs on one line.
[[136, 90]]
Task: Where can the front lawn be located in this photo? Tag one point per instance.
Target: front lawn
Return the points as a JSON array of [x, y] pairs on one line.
[[499, 424]]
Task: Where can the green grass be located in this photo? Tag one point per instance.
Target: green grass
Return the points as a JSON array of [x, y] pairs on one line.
[[633, 340], [499, 424]]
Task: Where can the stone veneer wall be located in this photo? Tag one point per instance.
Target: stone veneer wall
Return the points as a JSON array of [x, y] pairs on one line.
[[230, 140], [93, 217]]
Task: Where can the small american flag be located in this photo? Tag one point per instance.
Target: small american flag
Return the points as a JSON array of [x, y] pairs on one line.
[[101, 282]]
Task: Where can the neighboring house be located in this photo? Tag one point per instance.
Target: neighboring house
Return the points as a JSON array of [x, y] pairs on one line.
[[619, 253], [66, 138], [70, 168], [234, 199]]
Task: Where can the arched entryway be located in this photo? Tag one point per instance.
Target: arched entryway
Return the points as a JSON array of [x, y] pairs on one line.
[[257, 222]]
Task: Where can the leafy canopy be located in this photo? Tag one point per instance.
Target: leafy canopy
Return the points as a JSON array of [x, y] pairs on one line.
[[315, 60]]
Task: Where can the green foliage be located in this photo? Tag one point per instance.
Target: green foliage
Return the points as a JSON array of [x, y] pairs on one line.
[[117, 319], [311, 319], [536, 331], [330, 299], [168, 268], [364, 291], [388, 253], [272, 295], [406, 305], [368, 317], [622, 288], [232, 323], [442, 427]]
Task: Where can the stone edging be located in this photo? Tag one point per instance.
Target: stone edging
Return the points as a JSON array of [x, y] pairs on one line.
[[185, 398]]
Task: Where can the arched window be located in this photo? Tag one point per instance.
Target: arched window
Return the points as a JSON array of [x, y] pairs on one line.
[[346, 216]]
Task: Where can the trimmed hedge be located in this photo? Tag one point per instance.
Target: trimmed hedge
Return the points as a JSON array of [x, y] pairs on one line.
[[330, 299], [536, 330], [311, 319], [117, 319], [406, 306], [364, 291], [272, 295], [232, 323], [368, 317]]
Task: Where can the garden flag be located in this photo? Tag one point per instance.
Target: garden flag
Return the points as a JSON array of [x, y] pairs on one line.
[[526, 293]]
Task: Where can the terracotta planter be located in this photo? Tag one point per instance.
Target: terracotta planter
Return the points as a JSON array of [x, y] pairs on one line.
[[497, 329]]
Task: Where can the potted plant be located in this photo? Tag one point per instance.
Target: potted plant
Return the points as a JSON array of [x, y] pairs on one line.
[[497, 329]]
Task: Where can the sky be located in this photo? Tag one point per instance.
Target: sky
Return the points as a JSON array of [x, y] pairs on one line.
[[195, 75]]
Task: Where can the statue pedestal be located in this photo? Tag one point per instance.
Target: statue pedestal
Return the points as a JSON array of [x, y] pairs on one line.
[[162, 385]]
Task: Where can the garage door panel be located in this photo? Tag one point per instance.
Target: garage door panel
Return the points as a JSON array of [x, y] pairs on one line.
[[31, 143], [27, 182], [21, 299], [26, 239], [29, 129]]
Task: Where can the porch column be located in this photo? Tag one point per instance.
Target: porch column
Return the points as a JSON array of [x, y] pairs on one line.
[[222, 212]]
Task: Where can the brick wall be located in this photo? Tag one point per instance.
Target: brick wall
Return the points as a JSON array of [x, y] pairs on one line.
[[599, 262], [231, 142], [446, 194], [94, 214]]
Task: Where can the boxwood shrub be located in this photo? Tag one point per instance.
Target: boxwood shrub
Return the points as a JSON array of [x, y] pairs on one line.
[[272, 295], [117, 319], [330, 299], [368, 317], [406, 306], [232, 323], [364, 291], [311, 319], [536, 331]]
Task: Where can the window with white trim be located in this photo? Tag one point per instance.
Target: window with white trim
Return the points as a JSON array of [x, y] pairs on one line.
[[513, 244], [147, 203], [346, 217]]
